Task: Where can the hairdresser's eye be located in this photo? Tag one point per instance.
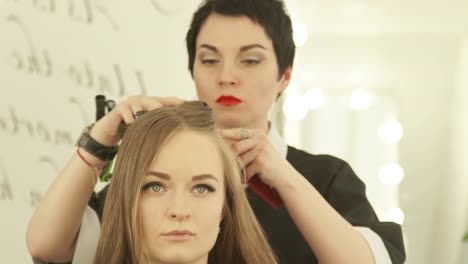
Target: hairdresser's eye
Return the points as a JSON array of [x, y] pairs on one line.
[[203, 188], [154, 187], [209, 61], [251, 61]]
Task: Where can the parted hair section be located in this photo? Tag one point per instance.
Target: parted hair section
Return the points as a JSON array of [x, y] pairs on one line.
[[241, 238]]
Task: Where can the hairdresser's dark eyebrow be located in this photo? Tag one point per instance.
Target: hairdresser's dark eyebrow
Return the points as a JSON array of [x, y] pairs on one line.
[[206, 46], [166, 176], [252, 46], [242, 49]]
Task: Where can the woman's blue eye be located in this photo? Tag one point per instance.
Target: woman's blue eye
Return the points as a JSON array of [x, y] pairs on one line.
[[203, 188], [154, 187]]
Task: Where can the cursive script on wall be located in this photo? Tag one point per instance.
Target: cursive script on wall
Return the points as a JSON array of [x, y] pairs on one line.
[[12, 123], [167, 8], [30, 58], [36, 61], [78, 11], [6, 193]]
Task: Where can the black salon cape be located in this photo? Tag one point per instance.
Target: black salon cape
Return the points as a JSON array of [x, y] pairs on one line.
[[339, 185]]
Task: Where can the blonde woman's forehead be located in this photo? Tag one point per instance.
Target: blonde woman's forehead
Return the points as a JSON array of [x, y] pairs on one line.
[[189, 153]]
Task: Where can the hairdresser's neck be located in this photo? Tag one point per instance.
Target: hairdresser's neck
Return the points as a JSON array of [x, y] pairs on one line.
[[262, 126]]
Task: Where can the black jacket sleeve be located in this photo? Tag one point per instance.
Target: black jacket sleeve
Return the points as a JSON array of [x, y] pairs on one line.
[[347, 195]]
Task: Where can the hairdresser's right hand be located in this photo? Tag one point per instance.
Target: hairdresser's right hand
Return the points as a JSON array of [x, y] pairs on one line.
[[105, 131]]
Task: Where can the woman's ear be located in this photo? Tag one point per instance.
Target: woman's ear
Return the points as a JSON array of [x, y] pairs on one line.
[[285, 79]]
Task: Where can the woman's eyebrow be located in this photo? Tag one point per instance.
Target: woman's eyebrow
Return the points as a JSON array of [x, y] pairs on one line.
[[242, 48], [251, 46], [212, 48], [166, 176], [203, 177], [158, 174]]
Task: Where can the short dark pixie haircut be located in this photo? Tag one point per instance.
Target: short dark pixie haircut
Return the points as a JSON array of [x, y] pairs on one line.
[[270, 14]]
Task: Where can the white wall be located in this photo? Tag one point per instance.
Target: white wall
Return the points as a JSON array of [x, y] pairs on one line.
[[451, 214]]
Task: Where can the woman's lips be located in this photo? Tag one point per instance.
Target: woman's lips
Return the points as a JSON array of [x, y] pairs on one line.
[[178, 235], [228, 100]]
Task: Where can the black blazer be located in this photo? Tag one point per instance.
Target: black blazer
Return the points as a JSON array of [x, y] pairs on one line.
[[343, 190]]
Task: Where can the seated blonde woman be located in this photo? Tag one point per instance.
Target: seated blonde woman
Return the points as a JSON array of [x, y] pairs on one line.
[[176, 196]]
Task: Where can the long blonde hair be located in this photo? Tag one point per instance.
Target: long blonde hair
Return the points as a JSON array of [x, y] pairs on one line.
[[241, 238]]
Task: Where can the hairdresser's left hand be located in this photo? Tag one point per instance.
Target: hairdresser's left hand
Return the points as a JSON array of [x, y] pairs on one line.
[[258, 156]]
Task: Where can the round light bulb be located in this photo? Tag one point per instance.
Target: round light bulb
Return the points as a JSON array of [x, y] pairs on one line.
[[360, 99], [300, 34], [396, 215], [314, 98], [391, 131], [391, 174], [295, 107]]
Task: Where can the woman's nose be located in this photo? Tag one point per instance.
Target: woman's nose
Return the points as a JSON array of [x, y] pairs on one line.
[[228, 75], [180, 216], [178, 208]]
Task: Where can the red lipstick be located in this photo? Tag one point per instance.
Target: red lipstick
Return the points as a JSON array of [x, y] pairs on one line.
[[228, 100]]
